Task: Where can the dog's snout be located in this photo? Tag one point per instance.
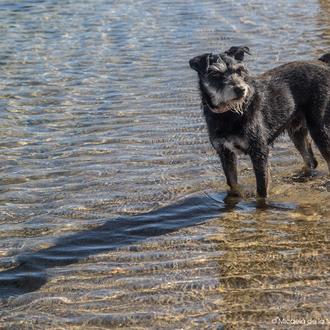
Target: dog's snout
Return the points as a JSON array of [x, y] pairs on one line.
[[239, 91]]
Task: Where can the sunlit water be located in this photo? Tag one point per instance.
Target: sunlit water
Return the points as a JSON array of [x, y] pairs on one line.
[[112, 200]]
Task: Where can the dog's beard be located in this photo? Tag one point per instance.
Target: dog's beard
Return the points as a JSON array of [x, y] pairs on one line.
[[227, 100], [236, 106]]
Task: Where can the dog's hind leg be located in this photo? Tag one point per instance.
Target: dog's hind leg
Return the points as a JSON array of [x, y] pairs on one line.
[[319, 129], [298, 133], [321, 138]]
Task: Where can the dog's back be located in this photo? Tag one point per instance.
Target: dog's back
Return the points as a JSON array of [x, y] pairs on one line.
[[293, 70], [325, 58], [308, 82]]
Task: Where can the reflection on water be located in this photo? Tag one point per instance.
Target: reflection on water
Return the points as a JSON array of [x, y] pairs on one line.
[[112, 205]]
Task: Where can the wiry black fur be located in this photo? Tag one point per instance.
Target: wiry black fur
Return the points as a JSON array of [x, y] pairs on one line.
[[293, 97]]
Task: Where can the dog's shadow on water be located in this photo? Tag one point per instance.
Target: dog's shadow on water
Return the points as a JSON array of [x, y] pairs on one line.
[[30, 273]]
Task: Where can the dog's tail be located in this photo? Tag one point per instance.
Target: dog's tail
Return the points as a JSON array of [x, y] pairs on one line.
[[325, 58]]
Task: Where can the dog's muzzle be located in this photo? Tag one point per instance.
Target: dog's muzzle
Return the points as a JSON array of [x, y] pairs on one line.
[[222, 108], [225, 107]]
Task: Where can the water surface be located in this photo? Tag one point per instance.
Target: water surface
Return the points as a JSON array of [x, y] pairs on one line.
[[112, 211]]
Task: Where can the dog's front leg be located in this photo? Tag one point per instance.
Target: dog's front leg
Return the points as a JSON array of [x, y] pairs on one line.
[[259, 157], [229, 165]]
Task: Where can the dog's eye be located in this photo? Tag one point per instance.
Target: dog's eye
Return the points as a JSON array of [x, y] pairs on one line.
[[214, 72], [240, 70]]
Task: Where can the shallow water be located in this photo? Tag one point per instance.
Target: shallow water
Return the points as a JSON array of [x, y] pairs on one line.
[[112, 200]]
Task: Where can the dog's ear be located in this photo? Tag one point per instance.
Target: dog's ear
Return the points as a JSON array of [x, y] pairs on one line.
[[200, 63], [237, 52]]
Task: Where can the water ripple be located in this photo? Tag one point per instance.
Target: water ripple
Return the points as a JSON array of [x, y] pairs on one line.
[[108, 211]]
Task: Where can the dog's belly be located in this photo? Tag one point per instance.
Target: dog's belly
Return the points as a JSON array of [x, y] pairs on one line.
[[234, 144]]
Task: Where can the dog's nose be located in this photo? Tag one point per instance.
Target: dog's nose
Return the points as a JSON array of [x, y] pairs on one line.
[[239, 91]]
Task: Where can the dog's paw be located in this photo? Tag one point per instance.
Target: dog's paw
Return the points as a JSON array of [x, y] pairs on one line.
[[300, 178], [232, 198], [303, 175], [234, 193], [261, 203]]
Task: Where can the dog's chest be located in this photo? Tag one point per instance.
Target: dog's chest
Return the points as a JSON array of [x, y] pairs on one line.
[[233, 143]]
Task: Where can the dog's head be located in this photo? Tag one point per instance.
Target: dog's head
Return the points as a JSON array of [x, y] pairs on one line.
[[223, 79]]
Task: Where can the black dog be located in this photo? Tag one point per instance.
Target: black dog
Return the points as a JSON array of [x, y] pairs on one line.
[[246, 113]]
